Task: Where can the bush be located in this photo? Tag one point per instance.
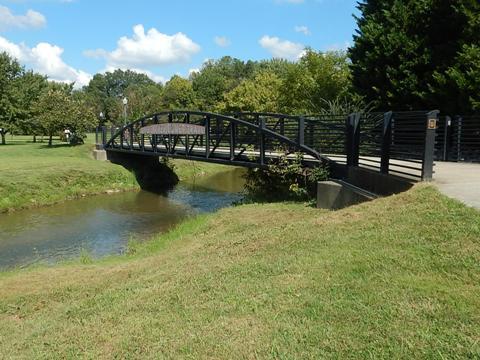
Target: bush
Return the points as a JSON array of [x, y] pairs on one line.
[[285, 179]]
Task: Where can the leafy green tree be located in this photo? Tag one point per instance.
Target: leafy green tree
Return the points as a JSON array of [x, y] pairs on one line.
[[316, 79], [58, 108], [412, 54], [10, 72], [260, 94], [107, 90], [178, 94], [28, 89], [217, 77], [144, 99]]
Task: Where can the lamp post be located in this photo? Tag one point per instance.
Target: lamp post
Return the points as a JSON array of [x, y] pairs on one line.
[[125, 103]]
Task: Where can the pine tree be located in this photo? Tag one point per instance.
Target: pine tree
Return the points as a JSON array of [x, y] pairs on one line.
[[410, 54]]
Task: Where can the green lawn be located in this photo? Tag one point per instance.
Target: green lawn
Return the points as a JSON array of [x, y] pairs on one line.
[[398, 277], [34, 174]]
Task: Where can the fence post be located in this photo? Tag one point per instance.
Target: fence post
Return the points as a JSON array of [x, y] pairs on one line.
[[353, 139], [386, 142], [459, 137], [262, 141], [301, 131], [232, 141], [104, 136], [429, 149], [446, 137], [207, 137]]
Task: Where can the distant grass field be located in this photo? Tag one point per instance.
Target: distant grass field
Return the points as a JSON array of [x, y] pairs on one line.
[[35, 174], [398, 277]]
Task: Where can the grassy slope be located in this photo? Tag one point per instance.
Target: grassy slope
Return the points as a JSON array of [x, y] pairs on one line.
[[34, 174], [395, 278]]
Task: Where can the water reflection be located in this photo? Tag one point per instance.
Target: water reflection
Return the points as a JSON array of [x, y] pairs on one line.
[[102, 225]]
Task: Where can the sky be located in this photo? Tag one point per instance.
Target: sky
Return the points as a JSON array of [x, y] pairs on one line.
[[71, 40]]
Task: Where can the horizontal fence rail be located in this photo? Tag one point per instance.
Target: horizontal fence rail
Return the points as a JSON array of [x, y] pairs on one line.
[[458, 138]]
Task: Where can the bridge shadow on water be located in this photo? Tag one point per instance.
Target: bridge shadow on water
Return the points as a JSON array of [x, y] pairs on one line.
[[151, 175]]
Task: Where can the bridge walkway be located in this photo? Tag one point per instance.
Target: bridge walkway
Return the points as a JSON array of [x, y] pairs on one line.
[[460, 181]]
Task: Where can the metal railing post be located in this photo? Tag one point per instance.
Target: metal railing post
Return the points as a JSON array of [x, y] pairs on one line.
[[262, 141], [386, 142], [429, 149], [459, 137], [301, 131], [232, 141], [353, 139], [104, 136], [446, 137], [207, 137]]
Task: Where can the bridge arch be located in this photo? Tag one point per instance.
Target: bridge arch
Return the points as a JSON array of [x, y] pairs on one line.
[[242, 139]]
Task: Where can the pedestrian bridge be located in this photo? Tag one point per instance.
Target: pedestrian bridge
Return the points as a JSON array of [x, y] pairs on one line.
[[392, 144]]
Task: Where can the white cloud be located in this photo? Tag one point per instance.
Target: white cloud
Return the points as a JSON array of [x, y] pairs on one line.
[[222, 41], [31, 19], [338, 47], [303, 29], [282, 48], [46, 59], [148, 49]]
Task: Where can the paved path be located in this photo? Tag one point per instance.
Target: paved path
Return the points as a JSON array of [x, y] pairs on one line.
[[459, 181]]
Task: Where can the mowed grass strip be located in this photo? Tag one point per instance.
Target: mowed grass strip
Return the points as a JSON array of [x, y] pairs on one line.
[[35, 174], [398, 277]]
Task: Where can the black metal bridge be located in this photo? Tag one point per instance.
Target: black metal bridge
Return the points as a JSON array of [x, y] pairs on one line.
[[399, 144]]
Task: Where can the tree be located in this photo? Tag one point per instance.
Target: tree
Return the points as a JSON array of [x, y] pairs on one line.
[[10, 72], [107, 90], [178, 94], [410, 54], [260, 94], [144, 99], [318, 78], [217, 77], [28, 88], [58, 109]]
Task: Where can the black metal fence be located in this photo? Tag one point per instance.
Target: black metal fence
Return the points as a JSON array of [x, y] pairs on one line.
[[396, 143], [458, 138]]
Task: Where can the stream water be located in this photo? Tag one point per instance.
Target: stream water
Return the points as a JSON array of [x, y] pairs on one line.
[[103, 225]]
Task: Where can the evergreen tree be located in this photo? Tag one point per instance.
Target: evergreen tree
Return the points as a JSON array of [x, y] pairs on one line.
[[410, 54]]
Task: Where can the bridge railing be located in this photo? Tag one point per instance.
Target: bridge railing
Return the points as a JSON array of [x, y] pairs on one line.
[[458, 138], [225, 138], [396, 143]]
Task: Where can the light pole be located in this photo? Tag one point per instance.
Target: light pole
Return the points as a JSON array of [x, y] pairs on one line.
[[125, 103]]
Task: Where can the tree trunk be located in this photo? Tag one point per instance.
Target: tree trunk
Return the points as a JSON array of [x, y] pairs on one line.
[[34, 139], [3, 138], [50, 140]]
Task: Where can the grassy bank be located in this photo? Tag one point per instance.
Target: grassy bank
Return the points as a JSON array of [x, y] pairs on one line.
[[35, 174], [395, 278]]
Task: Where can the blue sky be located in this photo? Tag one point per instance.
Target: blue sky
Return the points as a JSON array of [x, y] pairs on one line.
[[70, 40]]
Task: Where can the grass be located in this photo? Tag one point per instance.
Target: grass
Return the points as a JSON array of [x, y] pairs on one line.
[[398, 277], [36, 175]]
